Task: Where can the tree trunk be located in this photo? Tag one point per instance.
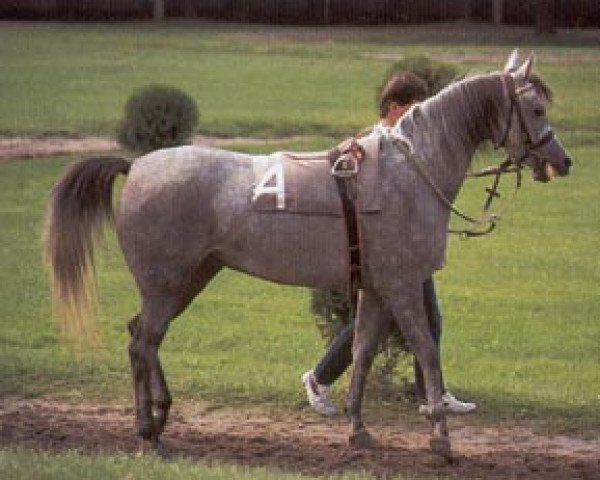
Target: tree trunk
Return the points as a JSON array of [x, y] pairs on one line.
[[498, 12], [159, 10], [45, 8], [327, 12], [188, 9], [467, 9], [544, 17]]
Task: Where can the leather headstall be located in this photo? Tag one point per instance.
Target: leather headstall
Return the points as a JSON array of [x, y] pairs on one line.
[[515, 106]]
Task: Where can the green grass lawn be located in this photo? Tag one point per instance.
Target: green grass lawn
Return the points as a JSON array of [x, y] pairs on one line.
[[520, 308], [23, 465], [254, 80], [522, 329]]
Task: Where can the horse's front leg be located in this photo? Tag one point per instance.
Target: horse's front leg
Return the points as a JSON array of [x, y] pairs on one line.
[[409, 312], [370, 324]]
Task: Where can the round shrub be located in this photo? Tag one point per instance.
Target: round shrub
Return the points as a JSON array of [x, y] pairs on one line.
[[157, 116], [436, 74], [332, 312]]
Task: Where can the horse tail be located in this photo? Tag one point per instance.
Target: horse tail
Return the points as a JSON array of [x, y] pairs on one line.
[[79, 205]]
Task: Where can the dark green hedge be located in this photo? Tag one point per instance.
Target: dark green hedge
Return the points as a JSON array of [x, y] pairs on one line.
[[157, 116]]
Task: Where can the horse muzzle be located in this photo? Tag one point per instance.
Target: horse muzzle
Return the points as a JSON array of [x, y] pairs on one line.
[[561, 170], [544, 170]]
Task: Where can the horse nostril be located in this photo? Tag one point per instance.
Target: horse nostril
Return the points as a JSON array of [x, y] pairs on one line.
[[568, 162]]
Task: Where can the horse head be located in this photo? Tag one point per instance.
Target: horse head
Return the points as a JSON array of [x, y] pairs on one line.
[[528, 136]]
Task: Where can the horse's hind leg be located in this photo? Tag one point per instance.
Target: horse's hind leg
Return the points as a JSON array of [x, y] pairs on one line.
[[152, 397], [148, 330], [159, 391]]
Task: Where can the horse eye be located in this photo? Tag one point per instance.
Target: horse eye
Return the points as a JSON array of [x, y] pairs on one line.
[[539, 112]]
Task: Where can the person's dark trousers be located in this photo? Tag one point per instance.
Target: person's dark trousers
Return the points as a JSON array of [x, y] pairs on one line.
[[338, 356], [434, 317]]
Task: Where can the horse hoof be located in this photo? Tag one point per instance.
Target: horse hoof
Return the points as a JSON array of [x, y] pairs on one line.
[[161, 450], [441, 446], [362, 439], [153, 448]]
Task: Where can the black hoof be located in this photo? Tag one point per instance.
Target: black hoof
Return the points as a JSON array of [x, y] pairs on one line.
[[362, 439], [440, 446], [153, 448]]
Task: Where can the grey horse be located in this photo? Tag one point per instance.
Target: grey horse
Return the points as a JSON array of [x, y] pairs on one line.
[[185, 213]]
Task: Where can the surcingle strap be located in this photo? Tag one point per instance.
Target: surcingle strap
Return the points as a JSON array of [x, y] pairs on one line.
[[349, 154]]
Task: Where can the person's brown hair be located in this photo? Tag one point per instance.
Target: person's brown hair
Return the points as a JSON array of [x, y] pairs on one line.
[[403, 88]]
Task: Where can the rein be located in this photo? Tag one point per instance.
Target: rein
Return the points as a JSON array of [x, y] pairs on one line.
[[506, 166], [486, 223]]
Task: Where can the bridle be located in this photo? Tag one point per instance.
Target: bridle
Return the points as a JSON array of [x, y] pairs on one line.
[[486, 223], [531, 145]]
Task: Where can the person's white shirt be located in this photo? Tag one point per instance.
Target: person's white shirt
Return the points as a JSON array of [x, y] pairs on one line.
[[383, 129]]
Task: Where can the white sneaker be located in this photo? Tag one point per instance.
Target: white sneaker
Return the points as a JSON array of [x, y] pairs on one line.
[[453, 405], [319, 396]]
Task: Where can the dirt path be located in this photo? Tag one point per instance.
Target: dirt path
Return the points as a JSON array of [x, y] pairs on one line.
[[12, 148], [300, 442]]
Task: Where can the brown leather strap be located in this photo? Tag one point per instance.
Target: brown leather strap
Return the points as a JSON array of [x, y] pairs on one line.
[[346, 189]]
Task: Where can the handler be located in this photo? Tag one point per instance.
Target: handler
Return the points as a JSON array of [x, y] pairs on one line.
[[400, 93]]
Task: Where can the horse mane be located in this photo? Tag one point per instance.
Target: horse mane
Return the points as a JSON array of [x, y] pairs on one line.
[[465, 112], [541, 87], [480, 99]]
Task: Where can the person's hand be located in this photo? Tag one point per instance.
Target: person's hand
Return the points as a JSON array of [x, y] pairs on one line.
[[351, 147]]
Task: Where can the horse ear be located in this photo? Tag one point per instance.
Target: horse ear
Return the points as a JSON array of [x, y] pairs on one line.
[[513, 61], [525, 69]]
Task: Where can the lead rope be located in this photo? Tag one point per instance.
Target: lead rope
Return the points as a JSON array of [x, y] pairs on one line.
[[487, 219]]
